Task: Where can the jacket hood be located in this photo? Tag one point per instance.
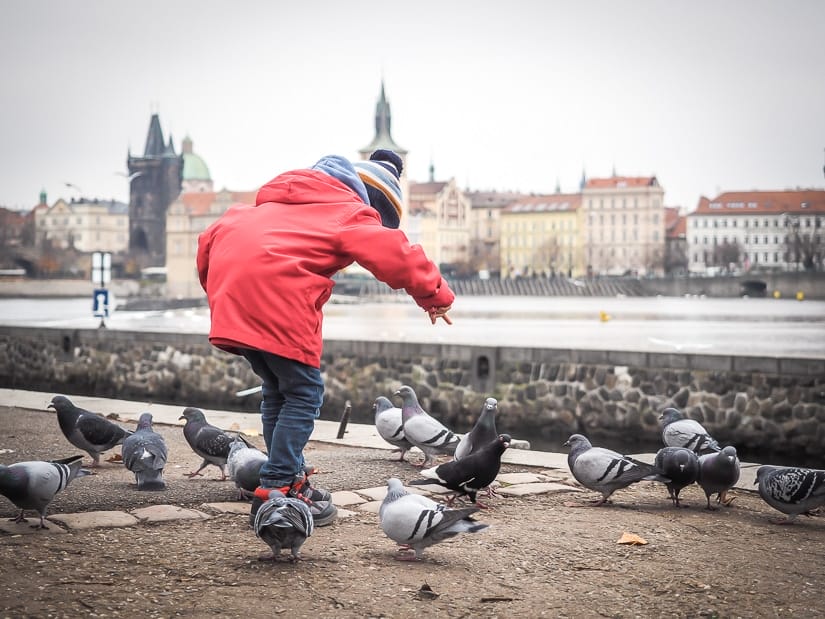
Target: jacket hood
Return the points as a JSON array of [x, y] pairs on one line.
[[305, 186]]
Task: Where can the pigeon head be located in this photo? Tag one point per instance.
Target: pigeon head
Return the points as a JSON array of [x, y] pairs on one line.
[[60, 402], [406, 392], [395, 489], [381, 404], [504, 439], [670, 415], [762, 472], [729, 452], [192, 414], [577, 440], [490, 403], [145, 421]]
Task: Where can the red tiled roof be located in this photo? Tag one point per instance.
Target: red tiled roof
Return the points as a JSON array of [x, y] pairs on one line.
[[615, 182], [432, 187], [675, 224], [763, 202], [198, 202]]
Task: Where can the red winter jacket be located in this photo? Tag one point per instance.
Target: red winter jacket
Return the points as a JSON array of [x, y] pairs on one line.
[[267, 269]]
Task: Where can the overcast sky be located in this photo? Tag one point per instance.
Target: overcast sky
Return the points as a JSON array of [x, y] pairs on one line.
[[708, 96]]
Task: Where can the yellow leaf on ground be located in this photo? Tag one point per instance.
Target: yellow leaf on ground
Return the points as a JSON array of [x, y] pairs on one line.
[[632, 539]]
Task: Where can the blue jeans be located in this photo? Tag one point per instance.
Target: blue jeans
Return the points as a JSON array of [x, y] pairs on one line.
[[292, 397]]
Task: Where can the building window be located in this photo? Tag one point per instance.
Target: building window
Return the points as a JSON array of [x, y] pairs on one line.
[[755, 223], [766, 242]]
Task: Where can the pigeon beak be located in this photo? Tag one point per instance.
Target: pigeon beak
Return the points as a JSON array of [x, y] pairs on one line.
[[181, 417]]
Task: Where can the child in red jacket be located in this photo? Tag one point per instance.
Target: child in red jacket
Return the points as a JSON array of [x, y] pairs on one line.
[[267, 271]]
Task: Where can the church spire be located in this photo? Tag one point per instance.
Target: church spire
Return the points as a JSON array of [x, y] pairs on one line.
[[154, 140], [383, 123]]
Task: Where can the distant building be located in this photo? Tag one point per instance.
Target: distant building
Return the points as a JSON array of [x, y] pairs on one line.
[[439, 220], [485, 228], [156, 180], [383, 140], [676, 258], [624, 218], [195, 177], [188, 216], [775, 230], [541, 235], [86, 225]]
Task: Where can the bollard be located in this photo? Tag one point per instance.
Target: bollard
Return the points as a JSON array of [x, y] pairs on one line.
[[776, 294], [342, 426], [800, 296]]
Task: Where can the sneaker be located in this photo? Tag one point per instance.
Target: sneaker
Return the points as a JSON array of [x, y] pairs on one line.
[[322, 509], [307, 489]]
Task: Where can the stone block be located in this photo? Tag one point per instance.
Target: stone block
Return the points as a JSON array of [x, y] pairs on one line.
[[166, 513], [95, 520], [25, 528], [536, 488], [345, 497], [371, 507], [229, 507]]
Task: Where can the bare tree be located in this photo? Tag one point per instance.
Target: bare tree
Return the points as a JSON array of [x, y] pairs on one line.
[[804, 248]]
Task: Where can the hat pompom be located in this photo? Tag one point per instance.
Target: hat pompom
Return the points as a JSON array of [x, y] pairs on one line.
[[391, 157]]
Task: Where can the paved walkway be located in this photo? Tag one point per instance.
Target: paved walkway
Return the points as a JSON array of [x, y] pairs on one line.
[[555, 475]]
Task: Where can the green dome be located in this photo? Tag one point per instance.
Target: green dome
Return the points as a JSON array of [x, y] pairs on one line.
[[194, 168]]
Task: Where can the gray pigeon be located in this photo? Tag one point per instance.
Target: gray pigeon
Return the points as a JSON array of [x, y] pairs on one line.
[[471, 474], [389, 425], [88, 431], [680, 465], [423, 430], [791, 490], [416, 522], [145, 454], [33, 485], [208, 441], [680, 431], [718, 473], [605, 470], [244, 463], [483, 432], [283, 523]]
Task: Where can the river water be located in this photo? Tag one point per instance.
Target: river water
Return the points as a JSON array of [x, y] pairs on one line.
[[736, 326]]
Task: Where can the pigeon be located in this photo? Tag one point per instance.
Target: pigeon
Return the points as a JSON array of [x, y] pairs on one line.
[[283, 523], [483, 432], [33, 485], [88, 431], [680, 465], [208, 441], [470, 474], [389, 425], [605, 470], [679, 431], [718, 473], [145, 454], [244, 464], [423, 430], [791, 490], [416, 522]]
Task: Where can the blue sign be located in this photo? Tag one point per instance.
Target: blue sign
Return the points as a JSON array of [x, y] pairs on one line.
[[100, 303]]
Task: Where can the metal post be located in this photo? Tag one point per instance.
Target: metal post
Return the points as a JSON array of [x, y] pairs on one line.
[[342, 426]]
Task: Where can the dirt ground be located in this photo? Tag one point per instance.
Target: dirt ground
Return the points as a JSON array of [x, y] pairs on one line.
[[541, 556]]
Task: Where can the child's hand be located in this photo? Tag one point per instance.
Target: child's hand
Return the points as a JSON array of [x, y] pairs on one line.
[[440, 312]]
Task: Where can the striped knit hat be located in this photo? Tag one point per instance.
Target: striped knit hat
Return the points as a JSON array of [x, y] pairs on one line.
[[381, 175]]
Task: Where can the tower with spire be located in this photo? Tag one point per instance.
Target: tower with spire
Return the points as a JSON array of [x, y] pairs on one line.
[[383, 139], [155, 182]]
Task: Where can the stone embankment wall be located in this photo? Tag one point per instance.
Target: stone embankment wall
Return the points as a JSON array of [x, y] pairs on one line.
[[761, 404]]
